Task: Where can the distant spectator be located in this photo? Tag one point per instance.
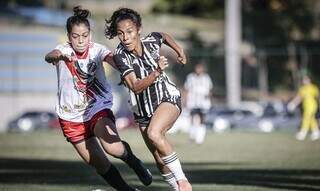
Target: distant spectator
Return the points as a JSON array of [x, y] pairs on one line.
[[308, 94], [199, 87]]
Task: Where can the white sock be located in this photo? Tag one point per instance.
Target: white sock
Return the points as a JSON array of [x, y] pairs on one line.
[[171, 180], [173, 163], [200, 133], [192, 132]]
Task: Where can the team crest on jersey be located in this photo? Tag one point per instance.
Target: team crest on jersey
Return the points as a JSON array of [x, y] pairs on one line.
[[85, 80]]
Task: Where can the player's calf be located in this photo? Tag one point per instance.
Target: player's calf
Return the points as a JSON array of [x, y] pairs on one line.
[[136, 164]]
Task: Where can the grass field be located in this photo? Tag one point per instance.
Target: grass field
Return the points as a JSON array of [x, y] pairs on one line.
[[232, 161]]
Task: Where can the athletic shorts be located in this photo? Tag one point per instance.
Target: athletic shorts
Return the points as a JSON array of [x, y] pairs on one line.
[[197, 111], [76, 132], [144, 121]]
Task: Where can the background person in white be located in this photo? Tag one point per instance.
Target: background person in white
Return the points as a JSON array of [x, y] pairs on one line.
[[198, 86]]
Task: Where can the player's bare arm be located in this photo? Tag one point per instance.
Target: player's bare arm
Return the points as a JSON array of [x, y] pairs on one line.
[[138, 85], [55, 56], [169, 41], [110, 61]]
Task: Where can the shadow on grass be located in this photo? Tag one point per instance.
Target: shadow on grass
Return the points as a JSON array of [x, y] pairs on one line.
[[32, 171], [292, 179]]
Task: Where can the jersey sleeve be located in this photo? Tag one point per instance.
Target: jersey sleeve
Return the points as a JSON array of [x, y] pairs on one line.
[[64, 49], [103, 52], [60, 47], [123, 64], [158, 37], [301, 91], [187, 82]]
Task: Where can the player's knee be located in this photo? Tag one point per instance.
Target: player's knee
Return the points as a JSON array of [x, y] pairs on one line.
[[154, 136], [114, 149]]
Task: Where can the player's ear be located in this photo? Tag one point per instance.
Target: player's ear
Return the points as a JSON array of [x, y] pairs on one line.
[[139, 30]]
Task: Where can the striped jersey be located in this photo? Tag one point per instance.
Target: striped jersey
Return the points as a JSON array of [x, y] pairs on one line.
[[145, 103], [83, 89]]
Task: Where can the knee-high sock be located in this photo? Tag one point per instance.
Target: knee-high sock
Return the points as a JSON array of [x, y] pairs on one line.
[[171, 180], [173, 163], [114, 179]]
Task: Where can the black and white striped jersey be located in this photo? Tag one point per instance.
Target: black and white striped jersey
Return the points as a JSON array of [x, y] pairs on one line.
[[145, 103]]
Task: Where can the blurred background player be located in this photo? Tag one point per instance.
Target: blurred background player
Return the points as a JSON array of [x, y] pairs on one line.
[[84, 100], [198, 86], [155, 100], [308, 94]]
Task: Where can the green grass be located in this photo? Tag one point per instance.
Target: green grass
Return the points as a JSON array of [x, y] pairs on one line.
[[225, 162]]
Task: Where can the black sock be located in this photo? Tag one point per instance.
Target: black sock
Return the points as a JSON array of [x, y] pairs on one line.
[[114, 179], [128, 156], [133, 162]]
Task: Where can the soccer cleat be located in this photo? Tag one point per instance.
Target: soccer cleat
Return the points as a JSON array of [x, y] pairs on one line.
[[138, 167], [301, 135], [143, 173], [315, 135]]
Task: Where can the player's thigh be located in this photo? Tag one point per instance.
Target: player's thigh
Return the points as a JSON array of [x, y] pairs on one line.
[[105, 130], [164, 117], [91, 152]]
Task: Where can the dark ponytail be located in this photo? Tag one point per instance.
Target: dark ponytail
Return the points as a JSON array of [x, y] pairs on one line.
[[117, 16], [79, 16]]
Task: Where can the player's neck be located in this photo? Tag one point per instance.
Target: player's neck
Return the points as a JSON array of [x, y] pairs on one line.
[[82, 55]]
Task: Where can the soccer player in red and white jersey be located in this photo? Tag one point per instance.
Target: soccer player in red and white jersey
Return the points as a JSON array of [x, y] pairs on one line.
[[84, 100]]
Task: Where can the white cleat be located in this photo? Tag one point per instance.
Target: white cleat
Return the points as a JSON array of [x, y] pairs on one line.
[[315, 135], [301, 135]]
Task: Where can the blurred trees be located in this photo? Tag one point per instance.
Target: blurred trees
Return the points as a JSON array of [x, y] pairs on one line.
[[283, 36], [198, 8], [281, 30]]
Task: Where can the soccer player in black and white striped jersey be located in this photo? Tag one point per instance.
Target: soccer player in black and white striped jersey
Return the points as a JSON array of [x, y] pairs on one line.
[[155, 100]]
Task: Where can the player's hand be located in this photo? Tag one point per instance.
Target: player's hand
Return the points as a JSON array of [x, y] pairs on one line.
[[67, 58], [291, 107], [163, 63], [61, 57], [182, 59]]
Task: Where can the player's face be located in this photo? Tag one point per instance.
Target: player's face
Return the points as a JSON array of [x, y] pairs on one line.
[[199, 69], [129, 35], [79, 37], [306, 80]]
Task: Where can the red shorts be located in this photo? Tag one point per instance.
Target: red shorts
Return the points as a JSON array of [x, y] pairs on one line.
[[76, 132]]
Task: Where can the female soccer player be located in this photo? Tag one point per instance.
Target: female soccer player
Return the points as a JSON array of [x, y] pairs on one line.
[[155, 99], [84, 100]]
